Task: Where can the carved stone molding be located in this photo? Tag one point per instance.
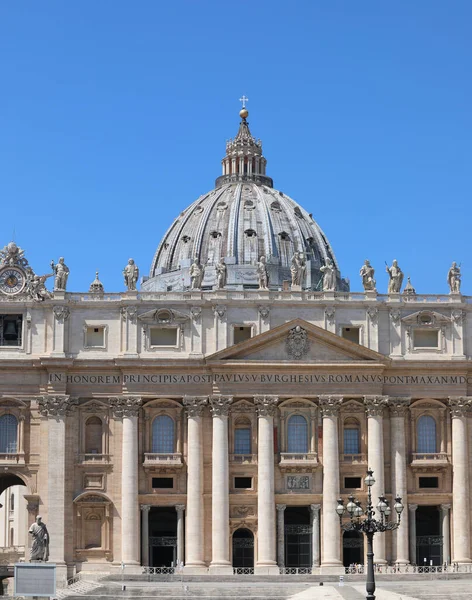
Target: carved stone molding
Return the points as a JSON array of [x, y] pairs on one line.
[[220, 311], [266, 405], [297, 343], [129, 313], [398, 405], [220, 405], [264, 311], [281, 507], [412, 507], [195, 405], [330, 405], [373, 313], [243, 511], [374, 405], [180, 508], [395, 315], [61, 313], [457, 315], [446, 507], [145, 508], [196, 313], [125, 406], [330, 312], [460, 405], [56, 406], [315, 510]]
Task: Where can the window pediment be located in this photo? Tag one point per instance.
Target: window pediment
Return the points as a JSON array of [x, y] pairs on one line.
[[163, 317], [426, 318]]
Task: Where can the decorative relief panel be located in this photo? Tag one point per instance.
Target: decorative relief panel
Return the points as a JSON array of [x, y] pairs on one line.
[[298, 483], [297, 343]]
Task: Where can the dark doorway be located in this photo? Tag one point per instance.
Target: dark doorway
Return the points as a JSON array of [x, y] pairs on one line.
[[297, 536], [243, 549], [428, 536], [162, 536], [353, 548]]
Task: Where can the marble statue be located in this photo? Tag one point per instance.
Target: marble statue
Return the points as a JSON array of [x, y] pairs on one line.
[[367, 273], [196, 275], [221, 273], [298, 268], [12, 255], [131, 275], [36, 287], [61, 272], [454, 279], [262, 274], [40, 547], [396, 278], [329, 276]]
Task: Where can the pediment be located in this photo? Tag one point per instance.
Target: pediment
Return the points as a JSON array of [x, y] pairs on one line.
[[163, 316], [426, 318], [298, 342]]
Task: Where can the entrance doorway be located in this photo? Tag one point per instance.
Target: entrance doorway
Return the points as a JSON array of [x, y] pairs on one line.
[[429, 540], [243, 549], [298, 533], [162, 536], [353, 548]]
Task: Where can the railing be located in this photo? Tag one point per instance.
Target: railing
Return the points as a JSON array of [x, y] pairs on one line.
[[295, 570], [354, 459], [410, 569], [243, 459], [95, 459], [159, 570], [12, 458], [243, 570], [298, 458], [430, 456], [164, 460]]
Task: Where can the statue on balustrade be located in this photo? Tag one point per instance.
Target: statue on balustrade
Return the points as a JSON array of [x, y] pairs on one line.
[[61, 272], [454, 279], [196, 273], [367, 273], [396, 278], [262, 274], [131, 275], [329, 276], [221, 273], [40, 547], [298, 268]]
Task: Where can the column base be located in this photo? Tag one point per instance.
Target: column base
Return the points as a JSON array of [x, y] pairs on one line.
[[271, 569], [462, 561], [195, 569], [226, 569]]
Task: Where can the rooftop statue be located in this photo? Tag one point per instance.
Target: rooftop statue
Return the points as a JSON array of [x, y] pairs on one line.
[[196, 275], [329, 276], [367, 273], [262, 274], [221, 273], [396, 278], [454, 279], [298, 268], [131, 275], [61, 272], [12, 255]]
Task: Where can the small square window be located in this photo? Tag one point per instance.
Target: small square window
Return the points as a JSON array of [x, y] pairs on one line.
[[163, 336], [95, 337], [243, 483], [353, 334], [428, 482], [352, 483], [162, 483], [241, 334], [426, 338]]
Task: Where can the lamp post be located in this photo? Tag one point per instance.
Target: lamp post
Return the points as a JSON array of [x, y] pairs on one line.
[[369, 525]]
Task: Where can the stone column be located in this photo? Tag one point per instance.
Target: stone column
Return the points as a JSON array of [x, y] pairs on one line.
[[460, 405], [56, 409], [145, 534], [127, 409], [398, 410], [375, 451], [220, 563], [281, 534], [330, 406], [180, 508], [446, 534], [315, 532], [412, 522], [266, 563], [194, 534]]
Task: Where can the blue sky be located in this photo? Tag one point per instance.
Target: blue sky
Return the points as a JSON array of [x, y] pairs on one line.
[[114, 117]]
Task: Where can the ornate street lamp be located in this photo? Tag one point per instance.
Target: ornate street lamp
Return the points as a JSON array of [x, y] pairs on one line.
[[368, 524]]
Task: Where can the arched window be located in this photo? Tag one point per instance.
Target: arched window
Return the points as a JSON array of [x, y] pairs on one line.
[[351, 437], [163, 435], [8, 434], [297, 434], [242, 439], [93, 436], [426, 435]]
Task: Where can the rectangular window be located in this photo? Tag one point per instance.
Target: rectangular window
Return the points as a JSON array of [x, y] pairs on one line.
[[10, 330], [243, 483], [426, 338], [160, 483], [242, 441], [351, 441], [163, 336], [428, 482], [353, 334], [95, 337], [352, 483], [241, 334]]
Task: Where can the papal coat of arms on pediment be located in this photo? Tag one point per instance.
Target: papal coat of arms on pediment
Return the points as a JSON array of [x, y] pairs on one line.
[[297, 343]]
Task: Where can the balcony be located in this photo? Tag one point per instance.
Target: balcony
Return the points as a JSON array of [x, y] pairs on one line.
[[354, 459], [156, 460], [91, 460], [243, 459], [295, 461], [436, 460], [12, 458]]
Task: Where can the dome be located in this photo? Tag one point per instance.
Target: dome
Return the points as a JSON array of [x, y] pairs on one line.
[[239, 221]]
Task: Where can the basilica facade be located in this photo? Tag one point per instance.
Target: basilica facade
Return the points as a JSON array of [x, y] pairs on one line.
[[211, 419]]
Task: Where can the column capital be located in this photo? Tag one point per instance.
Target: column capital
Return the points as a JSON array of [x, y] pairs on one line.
[[281, 507], [220, 405], [125, 406], [374, 405], [330, 405], [180, 508], [195, 405], [56, 406], [398, 405], [459, 405], [412, 507], [145, 508], [315, 509], [266, 405], [445, 507]]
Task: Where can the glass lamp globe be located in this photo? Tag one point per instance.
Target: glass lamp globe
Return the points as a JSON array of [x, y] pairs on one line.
[[369, 480]]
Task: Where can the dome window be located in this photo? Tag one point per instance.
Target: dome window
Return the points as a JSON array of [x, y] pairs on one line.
[[249, 205], [250, 233], [298, 212], [275, 206], [221, 206], [284, 236], [198, 210], [215, 234], [186, 239]]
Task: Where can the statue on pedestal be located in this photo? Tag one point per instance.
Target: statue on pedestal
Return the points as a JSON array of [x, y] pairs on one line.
[[40, 547], [221, 273], [454, 279], [329, 276], [262, 274], [196, 275], [131, 275], [298, 268], [367, 273], [61, 272], [396, 278]]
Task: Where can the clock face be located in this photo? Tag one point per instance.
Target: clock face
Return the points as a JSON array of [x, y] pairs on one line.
[[12, 280]]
